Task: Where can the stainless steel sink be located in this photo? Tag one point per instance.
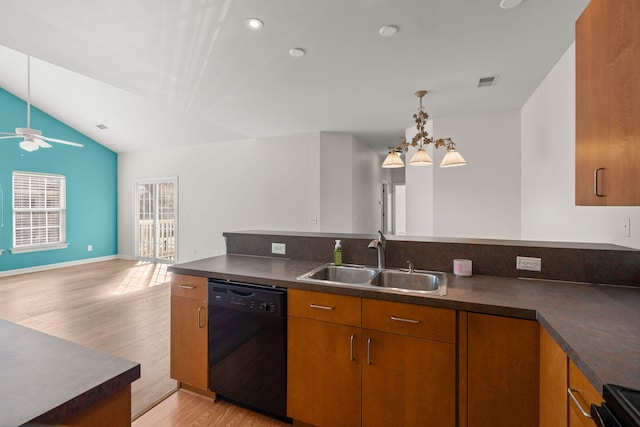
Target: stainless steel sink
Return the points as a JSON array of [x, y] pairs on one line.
[[430, 282], [352, 274], [417, 281]]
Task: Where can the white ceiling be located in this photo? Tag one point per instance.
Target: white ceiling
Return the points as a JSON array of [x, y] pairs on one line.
[[162, 73]]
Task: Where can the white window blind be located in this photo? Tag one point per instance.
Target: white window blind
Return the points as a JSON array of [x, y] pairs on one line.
[[39, 210]]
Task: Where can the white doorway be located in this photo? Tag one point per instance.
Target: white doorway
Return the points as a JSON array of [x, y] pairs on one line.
[[394, 216], [399, 209], [156, 219]]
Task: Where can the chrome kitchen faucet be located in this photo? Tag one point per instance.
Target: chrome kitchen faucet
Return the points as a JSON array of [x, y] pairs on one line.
[[379, 244]]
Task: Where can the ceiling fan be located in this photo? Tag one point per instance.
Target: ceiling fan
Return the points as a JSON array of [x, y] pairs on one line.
[[32, 139]]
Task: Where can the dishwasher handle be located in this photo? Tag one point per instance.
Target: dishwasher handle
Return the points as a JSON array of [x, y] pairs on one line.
[[242, 294]]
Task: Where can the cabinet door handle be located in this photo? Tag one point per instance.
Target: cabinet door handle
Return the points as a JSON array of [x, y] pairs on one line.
[[351, 348], [369, 351], [186, 287], [200, 326], [596, 191], [573, 397], [400, 319], [321, 307]]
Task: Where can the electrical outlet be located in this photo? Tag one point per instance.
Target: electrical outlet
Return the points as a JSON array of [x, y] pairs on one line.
[[90, 248], [528, 263], [278, 248], [626, 227]]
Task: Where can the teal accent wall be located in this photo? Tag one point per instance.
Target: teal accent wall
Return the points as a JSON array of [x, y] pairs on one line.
[[92, 183]]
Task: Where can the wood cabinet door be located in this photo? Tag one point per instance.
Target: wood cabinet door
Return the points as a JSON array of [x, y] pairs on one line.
[[585, 394], [608, 103], [323, 373], [502, 371], [407, 381], [189, 337], [554, 381]]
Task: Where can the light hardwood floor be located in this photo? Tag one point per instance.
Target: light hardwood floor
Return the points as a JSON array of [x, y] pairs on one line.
[[120, 307], [188, 409]]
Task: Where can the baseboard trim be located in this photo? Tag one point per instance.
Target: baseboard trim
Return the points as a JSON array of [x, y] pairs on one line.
[[57, 265]]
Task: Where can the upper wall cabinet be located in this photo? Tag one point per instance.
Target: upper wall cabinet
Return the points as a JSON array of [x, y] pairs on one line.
[[608, 104]]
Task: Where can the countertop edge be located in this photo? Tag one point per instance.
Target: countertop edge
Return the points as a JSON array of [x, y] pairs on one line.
[[87, 399]]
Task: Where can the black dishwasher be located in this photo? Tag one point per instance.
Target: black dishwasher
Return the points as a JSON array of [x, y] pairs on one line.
[[248, 345]]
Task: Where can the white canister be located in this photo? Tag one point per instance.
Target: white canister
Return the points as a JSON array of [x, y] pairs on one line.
[[462, 267]]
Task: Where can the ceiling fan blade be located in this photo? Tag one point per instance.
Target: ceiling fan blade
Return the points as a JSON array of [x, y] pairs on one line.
[[42, 143], [10, 136], [60, 141]]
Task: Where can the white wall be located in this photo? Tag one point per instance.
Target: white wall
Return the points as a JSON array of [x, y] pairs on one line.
[[548, 170], [350, 185], [336, 182], [269, 184], [481, 199], [367, 189], [419, 190], [266, 184]]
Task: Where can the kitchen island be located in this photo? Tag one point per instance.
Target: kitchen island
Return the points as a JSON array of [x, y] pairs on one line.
[[46, 380], [516, 342], [596, 325]]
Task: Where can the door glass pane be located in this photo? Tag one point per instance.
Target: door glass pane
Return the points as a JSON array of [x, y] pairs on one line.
[[156, 221]]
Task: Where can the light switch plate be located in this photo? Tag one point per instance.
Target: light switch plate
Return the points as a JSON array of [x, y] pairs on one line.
[[528, 263], [278, 248], [626, 227]]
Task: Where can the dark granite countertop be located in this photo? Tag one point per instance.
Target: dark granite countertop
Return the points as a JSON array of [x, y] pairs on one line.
[[598, 326], [45, 379]]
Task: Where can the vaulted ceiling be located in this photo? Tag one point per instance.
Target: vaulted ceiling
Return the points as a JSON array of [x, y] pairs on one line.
[[161, 73]]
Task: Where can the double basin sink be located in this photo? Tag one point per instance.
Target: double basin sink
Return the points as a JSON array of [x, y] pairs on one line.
[[415, 281]]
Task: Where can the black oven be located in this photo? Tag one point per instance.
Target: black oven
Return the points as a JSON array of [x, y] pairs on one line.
[[621, 407], [248, 345]]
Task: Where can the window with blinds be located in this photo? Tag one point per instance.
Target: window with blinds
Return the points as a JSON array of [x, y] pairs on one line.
[[39, 210]]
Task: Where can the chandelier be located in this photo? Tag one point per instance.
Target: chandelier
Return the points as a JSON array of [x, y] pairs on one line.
[[421, 140]]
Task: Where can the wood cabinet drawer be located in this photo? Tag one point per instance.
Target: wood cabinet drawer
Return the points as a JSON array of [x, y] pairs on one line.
[[327, 307], [585, 394], [189, 286], [409, 319]]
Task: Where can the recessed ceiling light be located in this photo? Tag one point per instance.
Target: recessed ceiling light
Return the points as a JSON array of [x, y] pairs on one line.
[[253, 23], [102, 126], [388, 30], [510, 4], [297, 52]]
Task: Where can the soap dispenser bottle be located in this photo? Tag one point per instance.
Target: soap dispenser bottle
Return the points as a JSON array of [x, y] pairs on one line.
[[337, 253]]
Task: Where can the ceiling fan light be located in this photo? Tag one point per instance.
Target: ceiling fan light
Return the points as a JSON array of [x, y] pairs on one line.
[[452, 159], [29, 145], [393, 160], [421, 158]]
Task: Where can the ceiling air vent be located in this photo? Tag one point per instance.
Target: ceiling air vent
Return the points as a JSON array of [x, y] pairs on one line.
[[487, 81], [102, 127]]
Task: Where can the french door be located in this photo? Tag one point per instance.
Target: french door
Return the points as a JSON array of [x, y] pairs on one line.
[[156, 219]]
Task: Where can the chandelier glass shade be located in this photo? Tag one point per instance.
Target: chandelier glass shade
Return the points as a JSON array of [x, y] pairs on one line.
[[393, 160], [421, 140], [452, 159], [421, 158]]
